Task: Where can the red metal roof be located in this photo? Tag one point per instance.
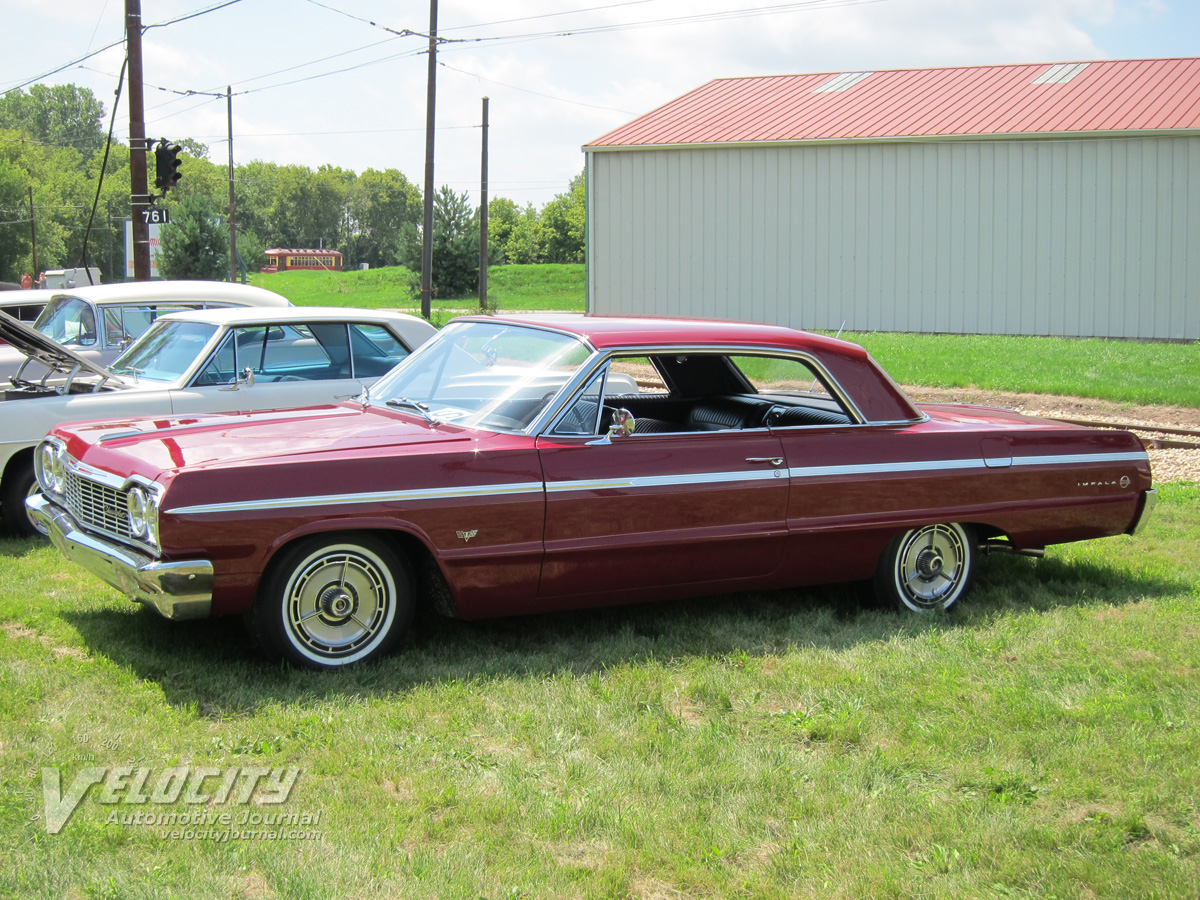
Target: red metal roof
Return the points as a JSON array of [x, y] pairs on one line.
[[1100, 96]]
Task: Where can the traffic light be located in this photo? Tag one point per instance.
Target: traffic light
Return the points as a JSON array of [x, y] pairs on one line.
[[166, 165]]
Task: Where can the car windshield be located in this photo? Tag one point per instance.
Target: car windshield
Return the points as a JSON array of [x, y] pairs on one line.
[[483, 374], [165, 352], [68, 320]]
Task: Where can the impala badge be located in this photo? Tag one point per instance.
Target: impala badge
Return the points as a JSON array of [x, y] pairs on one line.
[[467, 535]]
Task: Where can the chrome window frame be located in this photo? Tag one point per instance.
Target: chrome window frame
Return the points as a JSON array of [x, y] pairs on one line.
[[556, 409]]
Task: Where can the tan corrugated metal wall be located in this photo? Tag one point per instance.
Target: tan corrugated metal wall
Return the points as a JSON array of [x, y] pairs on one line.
[[1079, 237]]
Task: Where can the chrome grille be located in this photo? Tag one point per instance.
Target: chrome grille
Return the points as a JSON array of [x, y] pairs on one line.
[[97, 506]]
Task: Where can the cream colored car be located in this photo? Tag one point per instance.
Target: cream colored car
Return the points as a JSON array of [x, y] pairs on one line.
[[99, 321], [216, 360]]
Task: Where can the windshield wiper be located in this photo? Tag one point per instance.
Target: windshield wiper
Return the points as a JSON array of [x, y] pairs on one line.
[[421, 409]]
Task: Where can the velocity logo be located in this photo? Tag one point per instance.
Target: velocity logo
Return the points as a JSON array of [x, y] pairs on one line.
[[190, 784]]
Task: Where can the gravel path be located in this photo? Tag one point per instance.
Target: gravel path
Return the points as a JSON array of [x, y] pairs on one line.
[[1167, 464]]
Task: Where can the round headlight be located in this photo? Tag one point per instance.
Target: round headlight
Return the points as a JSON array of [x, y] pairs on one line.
[[54, 468], [136, 503]]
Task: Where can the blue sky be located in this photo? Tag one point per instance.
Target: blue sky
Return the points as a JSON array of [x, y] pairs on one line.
[[549, 94]]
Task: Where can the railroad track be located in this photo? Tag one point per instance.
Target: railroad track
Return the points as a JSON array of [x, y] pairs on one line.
[[1151, 430]]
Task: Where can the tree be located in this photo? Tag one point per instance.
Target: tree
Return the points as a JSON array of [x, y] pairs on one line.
[[14, 232], [307, 208], [527, 242], [62, 197], [62, 115], [195, 246], [564, 220], [250, 248], [381, 205], [455, 244], [503, 214]]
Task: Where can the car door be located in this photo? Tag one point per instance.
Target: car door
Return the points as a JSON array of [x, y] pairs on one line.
[[660, 509]]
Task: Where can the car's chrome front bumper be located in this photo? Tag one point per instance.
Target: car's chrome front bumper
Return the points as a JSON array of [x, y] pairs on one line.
[[178, 590]]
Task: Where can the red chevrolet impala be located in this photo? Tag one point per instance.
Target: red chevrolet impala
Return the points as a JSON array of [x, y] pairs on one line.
[[513, 465]]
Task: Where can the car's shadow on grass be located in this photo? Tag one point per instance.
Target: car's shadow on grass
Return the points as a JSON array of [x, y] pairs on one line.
[[214, 666]]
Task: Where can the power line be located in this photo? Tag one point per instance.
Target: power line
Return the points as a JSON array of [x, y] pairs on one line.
[[536, 93], [73, 62], [118, 43], [184, 18], [312, 62], [569, 12], [723, 15]]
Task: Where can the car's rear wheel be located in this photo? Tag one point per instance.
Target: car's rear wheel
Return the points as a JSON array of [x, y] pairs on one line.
[[927, 568], [330, 601], [20, 483]]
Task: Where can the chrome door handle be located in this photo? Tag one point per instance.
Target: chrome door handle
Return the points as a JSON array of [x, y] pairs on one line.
[[769, 460]]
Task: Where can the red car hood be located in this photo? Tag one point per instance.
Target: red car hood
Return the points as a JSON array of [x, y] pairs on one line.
[[149, 446]]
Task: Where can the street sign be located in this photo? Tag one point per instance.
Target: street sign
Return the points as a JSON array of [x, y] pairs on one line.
[[156, 216], [153, 233]]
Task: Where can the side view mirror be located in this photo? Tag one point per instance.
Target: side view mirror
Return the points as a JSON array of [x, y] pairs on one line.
[[246, 379], [623, 425]]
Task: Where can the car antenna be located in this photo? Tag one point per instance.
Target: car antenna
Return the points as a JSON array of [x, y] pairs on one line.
[[835, 337]]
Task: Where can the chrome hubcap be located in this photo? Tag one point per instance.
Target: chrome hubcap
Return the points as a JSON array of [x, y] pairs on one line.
[[338, 602], [931, 565]]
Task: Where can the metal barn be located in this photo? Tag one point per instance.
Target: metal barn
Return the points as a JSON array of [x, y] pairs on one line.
[[1046, 199]]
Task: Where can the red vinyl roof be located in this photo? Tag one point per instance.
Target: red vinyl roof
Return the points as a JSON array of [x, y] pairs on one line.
[[1118, 95]]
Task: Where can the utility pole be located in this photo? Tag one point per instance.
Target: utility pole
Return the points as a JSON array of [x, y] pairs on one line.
[[483, 213], [33, 232], [139, 192], [427, 222], [232, 205]]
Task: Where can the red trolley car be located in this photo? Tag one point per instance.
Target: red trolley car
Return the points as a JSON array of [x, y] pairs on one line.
[[285, 260]]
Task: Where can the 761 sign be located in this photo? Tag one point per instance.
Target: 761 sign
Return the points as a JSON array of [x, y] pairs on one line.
[[156, 217]]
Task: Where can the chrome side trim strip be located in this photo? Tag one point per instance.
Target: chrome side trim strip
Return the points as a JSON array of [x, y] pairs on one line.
[[884, 468], [480, 490], [1061, 459], [1078, 458], [648, 481]]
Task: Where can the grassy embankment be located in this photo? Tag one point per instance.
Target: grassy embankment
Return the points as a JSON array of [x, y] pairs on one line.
[[541, 287], [1123, 371]]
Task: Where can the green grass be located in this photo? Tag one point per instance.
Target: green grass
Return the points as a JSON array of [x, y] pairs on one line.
[[1040, 741], [540, 287], [391, 288], [1123, 371]]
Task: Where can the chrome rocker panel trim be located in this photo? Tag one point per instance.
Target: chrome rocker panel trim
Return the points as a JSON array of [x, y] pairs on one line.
[[177, 590]]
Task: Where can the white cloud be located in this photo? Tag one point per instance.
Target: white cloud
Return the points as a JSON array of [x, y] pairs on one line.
[[375, 115]]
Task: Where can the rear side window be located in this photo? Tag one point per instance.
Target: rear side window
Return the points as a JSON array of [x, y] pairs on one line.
[[375, 349], [780, 375]]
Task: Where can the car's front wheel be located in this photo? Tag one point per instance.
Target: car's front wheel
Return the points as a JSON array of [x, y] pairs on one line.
[[927, 568], [330, 601], [20, 483]]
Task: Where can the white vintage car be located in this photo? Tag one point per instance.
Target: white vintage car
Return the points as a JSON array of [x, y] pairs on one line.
[[99, 321], [216, 360]]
